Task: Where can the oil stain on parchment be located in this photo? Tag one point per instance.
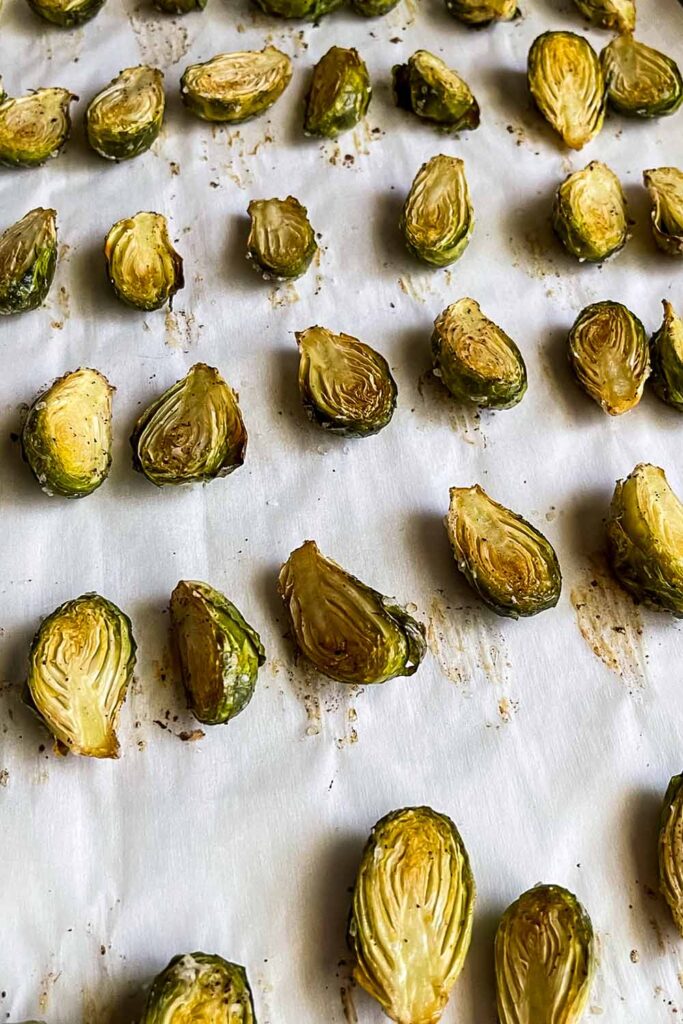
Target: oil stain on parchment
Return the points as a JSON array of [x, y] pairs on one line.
[[61, 308], [330, 707], [463, 419], [46, 985], [354, 147], [240, 164], [284, 294], [402, 16], [161, 41], [610, 623], [181, 329]]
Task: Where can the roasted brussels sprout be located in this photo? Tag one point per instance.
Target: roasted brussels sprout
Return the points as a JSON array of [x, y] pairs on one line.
[[510, 564], [281, 242], [475, 359], [373, 8], [349, 631], [124, 119], [545, 958], [437, 218], [482, 12], [66, 438], [645, 538], [671, 849], [179, 6], [339, 93], [143, 267], [665, 185], [194, 432], [589, 214], [411, 917], [666, 357], [28, 256], [641, 82], [80, 665], [234, 87], [35, 127], [220, 654], [202, 988], [311, 10], [346, 386], [615, 14], [66, 13], [429, 88], [608, 352], [566, 81]]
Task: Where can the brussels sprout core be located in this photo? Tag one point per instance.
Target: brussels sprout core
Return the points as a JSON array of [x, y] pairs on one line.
[[339, 93], [437, 218], [665, 185], [566, 81], [234, 87], [35, 127], [200, 988], [28, 256], [641, 82], [608, 352], [589, 215], [124, 119], [281, 241], [143, 267]]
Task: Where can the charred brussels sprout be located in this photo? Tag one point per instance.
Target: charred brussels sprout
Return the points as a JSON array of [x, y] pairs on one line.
[[411, 917], [35, 127], [608, 353], [433, 91], [589, 215], [179, 6], [66, 13], [475, 359], [143, 267], [28, 256], [645, 538], [373, 8], [281, 242], [567, 84], [615, 14], [510, 564], [220, 654], [194, 432], [339, 93], [234, 87], [437, 218], [482, 12], [66, 438], [202, 988], [345, 385], [80, 665], [641, 82], [666, 357], [545, 958], [347, 630], [124, 119], [671, 849], [665, 185]]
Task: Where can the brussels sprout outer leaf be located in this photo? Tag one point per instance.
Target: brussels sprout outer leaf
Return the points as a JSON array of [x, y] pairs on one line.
[[665, 185], [339, 93], [666, 357]]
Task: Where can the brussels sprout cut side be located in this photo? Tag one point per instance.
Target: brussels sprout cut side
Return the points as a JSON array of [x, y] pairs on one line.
[[545, 958], [80, 665], [143, 268], [670, 849], [665, 185], [66, 13], [434, 92], [35, 127], [589, 214], [641, 82], [411, 916], [567, 84], [339, 93], [202, 988], [619, 15], [608, 352], [281, 242], [666, 357], [233, 87], [510, 564], [482, 12], [219, 652], [28, 257], [437, 218], [349, 631], [124, 119]]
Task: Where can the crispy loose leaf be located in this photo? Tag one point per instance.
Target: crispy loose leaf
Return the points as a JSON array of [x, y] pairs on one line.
[[666, 357], [144, 269], [426, 86], [124, 119], [665, 185], [35, 127], [670, 849], [281, 242], [482, 12], [545, 958], [608, 352], [641, 82], [589, 214], [349, 631], [234, 87], [437, 218], [339, 93], [510, 564], [219, 652], [81, 662], [28, 257], [645, 538], [411, 917], [66, 13], [567, 84], [202, 988], [615, 14]]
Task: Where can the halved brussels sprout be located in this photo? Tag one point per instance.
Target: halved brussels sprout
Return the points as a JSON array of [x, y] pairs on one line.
[[475, 359], [346, 386], [589, 214], [124, 119], [373, 8], [35, 127], [179, 6], [202, 988], [411, 917], [437, 218], [510, 564], [66, 438], [281, 241], [311, 10], [339, 93], [482, 12], [81, 662], [615, 14], [608, 352], [349, 631], [545, 958], [219, 652], [641, 82], [665, 185], [645, 538], [194, 432], [234, 87], [666, 357], [66, 13], [670, 849], [143, 267], [566, 81], [433, 91], [28, 257]]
